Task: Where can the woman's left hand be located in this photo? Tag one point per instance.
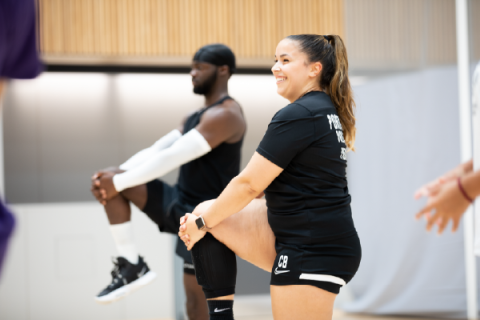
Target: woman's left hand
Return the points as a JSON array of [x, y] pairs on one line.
[[189, 232]]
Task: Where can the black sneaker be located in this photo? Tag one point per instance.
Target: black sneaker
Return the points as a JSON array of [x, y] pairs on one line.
[[126, 278]]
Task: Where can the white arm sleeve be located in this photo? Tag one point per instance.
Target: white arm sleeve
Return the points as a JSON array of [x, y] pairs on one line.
[[190, 146], [141, 156]]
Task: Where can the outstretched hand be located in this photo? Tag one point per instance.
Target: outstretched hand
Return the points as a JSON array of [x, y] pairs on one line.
[[431, 187], [189, 232], [445, 203]]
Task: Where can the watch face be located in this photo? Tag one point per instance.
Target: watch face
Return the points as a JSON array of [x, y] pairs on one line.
[[199, 223]]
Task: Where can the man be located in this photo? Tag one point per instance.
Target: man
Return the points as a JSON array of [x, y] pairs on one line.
[[18, 60], [206, 147]]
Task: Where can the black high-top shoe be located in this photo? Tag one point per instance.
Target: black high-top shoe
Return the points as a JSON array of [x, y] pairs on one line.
[[126, 278]]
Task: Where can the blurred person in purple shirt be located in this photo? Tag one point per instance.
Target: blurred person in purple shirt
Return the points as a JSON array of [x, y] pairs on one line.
[[18, 60]]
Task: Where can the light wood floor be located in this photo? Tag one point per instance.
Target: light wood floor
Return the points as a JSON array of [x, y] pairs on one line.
[[338, 315], [258, 307]]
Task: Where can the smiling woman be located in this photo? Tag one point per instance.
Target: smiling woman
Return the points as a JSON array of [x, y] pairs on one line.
[[303, 233]]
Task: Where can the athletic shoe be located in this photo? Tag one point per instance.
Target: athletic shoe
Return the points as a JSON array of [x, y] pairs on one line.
[[126, 278]]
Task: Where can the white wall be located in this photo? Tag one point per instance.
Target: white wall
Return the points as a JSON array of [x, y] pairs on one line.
[[59, 259], [407, 135]]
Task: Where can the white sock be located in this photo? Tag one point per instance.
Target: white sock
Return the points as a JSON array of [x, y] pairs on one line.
[[123, 236]]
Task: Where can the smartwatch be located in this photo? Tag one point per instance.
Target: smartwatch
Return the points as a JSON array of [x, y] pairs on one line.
[[201, 224]]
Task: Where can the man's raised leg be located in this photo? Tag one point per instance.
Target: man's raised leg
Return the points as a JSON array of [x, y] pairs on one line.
[[130, 271]]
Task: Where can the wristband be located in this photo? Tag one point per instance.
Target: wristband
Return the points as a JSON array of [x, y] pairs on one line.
[[463, 191]]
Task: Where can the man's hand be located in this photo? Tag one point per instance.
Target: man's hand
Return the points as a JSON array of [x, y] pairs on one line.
[[104, 183], [98, 193], [445, 202]]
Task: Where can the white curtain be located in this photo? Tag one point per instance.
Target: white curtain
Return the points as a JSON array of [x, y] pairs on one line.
[[408, 134]]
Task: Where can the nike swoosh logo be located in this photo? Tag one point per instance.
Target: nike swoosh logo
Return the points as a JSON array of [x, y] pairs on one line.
[[281, 271], [220, 310], [141, 273]]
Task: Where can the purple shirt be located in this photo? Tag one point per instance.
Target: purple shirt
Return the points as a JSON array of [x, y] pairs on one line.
[[6, 227], [18, 49], [18, 60]]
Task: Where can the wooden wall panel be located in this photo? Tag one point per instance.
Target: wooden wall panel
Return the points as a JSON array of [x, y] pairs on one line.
[[177, 28], [402, 34], [475, 27], [393, 34]]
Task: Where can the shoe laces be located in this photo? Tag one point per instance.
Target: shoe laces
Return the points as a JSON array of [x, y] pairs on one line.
[[116, 272]]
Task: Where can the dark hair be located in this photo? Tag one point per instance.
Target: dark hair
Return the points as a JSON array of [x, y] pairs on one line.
[[332, 54], [217, 54]]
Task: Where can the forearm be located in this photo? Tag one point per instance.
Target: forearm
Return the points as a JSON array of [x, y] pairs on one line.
[[471, 184], [145, 154], [236, 196], [150, 170], [190, 146]]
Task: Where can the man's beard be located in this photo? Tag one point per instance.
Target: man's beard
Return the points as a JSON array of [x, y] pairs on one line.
[[207, 85]]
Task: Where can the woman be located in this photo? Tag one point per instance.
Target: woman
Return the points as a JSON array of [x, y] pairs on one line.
[[304, 233]]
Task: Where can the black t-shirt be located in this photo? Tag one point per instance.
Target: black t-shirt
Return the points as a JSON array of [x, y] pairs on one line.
[[308, 203]]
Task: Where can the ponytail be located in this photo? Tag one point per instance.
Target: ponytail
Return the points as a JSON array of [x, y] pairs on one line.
[[341, 93], [331, 52]]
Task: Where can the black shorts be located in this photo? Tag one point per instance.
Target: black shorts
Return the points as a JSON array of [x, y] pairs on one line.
[[165, 209], [327, 265]]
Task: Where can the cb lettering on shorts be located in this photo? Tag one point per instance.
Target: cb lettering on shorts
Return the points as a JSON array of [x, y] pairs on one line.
[[282, 262]]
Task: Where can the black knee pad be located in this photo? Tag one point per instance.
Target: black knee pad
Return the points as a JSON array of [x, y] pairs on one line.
[[215, 267]]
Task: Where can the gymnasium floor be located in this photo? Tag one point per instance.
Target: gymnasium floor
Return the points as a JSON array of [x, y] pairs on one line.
[[339, 315], [258, 307]]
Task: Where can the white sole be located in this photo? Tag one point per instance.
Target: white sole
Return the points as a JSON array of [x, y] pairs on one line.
[[124, 291]]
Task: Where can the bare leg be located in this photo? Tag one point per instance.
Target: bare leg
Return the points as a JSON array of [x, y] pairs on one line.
[[118, 209], [197, 308], [247, 233], [119, 212], [301, 302]]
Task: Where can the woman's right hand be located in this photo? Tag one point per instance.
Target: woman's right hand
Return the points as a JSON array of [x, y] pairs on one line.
[[189, 233], [434, 186]]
